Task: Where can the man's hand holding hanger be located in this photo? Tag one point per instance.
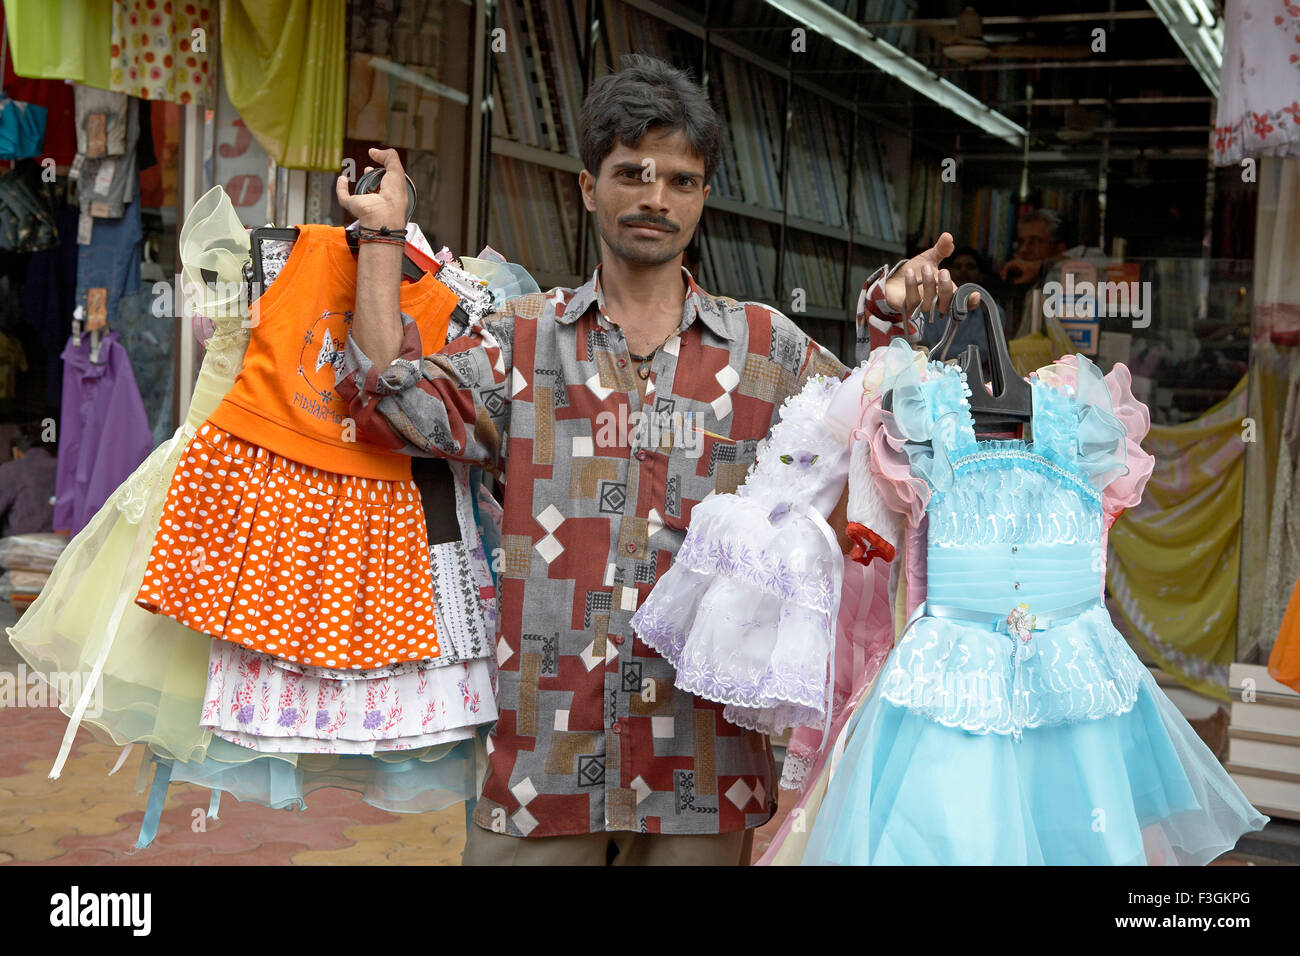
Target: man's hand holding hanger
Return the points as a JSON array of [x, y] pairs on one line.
[[921, 285]]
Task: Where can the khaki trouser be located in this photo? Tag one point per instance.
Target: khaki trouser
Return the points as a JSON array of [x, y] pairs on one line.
[[628, 848]]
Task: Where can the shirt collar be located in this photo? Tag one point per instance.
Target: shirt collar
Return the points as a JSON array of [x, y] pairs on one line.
[[698, 303]]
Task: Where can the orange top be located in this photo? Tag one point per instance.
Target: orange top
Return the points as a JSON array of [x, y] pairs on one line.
[[283, 398]]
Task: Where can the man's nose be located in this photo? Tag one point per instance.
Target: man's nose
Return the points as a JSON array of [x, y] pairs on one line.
[[654, 194]]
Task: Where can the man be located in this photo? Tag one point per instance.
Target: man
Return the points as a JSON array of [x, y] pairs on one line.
[[1040, 242], [596, 756], [26, 487]]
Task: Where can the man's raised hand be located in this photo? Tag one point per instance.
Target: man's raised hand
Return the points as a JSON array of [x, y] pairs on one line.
[[920, 283]]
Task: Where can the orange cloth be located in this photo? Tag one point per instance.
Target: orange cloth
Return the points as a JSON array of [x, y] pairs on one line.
[[284, 398], [1284, 662], [281, 531], [308, 566]]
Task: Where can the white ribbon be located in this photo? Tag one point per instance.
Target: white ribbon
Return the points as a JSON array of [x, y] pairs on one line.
[[135, 571]]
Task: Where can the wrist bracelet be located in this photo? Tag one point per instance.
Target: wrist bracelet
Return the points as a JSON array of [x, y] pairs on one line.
[[386, 240], [365, 232]]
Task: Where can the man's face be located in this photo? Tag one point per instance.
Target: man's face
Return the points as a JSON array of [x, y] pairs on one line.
[[1035, 243], [965, 269], [647, 200]]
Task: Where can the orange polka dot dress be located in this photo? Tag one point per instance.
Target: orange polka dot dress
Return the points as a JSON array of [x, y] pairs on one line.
[[280, 531]]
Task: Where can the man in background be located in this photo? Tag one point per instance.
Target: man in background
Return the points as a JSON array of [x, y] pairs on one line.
[[27, 486], [1040, 243]]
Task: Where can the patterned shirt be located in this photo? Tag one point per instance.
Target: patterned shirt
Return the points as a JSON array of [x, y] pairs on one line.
[[592, 734]]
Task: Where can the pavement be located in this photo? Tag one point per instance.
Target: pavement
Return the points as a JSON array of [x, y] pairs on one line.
[[89, 818]]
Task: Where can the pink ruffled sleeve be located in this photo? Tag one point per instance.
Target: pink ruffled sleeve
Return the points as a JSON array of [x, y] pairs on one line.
[[1125, 490]]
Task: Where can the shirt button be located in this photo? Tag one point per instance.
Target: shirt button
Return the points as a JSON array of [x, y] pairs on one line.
[[1014, 549], [622, 363], [617, 727], [616, 638], [631, 549], [1017, 585], [640, 454]]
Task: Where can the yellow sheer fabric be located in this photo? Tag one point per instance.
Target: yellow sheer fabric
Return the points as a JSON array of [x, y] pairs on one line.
[[285, 67], [1173, 561]]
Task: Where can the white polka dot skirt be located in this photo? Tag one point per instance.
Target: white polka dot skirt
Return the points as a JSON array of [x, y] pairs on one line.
[[306, 565]]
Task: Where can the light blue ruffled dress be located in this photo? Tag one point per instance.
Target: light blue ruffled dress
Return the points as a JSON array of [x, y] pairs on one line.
[[1011, 723]]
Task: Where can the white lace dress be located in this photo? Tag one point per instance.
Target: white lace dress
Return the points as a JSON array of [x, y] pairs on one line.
[[746, 613]]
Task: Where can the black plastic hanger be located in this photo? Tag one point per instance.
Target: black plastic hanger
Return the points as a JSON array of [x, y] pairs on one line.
[[1011, 402], [409, 269], [367, 184]]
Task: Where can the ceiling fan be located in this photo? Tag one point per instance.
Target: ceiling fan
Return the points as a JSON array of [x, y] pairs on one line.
[[967, 42]]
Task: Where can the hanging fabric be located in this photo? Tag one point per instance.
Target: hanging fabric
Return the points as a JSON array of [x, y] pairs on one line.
[[61, 39], [161, 50], [54, 96], [107, 162], [103, 430], [1172, 562], [1260, 84], [27, 209], [1274, 372], [22, 128], [285, 68], [1277, 237], [1284, 661]]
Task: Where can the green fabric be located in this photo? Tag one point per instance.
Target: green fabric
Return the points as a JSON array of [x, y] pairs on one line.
[[61, 39], [285, 67]]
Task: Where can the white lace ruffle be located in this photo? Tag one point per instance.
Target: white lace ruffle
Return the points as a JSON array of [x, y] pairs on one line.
[[768, 680], [795, 769], [224, 349], [975, 679], [865, 506], [777, 552]]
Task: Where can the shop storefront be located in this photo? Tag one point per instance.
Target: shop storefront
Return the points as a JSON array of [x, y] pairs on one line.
[[1145, 219]]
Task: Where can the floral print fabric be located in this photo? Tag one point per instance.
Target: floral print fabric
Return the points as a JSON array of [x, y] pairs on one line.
[[160, 50], [252, 702]]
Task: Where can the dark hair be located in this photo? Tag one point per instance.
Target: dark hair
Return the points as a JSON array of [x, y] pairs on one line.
[[1059, 227], [647, 94], [25, 438], [980, 261]]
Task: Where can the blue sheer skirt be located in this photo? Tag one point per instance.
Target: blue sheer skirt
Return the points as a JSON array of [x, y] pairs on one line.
[[422, 781], [1137, 787]]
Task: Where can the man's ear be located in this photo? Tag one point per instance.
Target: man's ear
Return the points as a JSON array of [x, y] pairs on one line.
[[587, 185]]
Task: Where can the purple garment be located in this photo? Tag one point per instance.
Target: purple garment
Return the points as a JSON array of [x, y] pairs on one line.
[[103, 430], [26, 486]]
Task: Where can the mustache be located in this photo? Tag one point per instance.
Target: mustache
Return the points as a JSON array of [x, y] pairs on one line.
[[650, 221]]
